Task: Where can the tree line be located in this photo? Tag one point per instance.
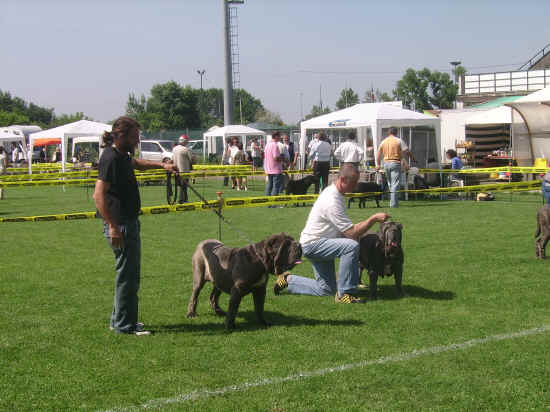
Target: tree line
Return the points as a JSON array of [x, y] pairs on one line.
[[15, 110], [171, 106], [418, 90]]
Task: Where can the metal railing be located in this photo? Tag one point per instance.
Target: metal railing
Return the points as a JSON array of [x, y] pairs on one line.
[[505, 82], [533, 60]]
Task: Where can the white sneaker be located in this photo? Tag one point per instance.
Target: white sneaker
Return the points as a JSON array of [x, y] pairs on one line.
[[143, 333], [139, 327]]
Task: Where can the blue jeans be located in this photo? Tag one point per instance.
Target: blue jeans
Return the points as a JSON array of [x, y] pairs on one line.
[[393, 176], [322, 253], [274, 185], [127, 265], [546, 191]]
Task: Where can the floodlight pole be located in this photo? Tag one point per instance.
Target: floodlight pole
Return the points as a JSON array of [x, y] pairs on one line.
[[228, 89], [455, 64]]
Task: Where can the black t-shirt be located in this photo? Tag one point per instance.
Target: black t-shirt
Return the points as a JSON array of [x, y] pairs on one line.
[[123, 196]]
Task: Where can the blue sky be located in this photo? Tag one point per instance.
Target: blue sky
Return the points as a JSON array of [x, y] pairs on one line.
[[87, 56]]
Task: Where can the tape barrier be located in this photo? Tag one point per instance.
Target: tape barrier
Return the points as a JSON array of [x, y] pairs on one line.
[[248, 202]]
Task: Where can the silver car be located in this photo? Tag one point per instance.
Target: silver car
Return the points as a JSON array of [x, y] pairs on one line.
[[157, 150]]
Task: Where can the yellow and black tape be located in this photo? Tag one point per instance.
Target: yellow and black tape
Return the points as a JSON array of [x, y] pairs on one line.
[[247, 202]]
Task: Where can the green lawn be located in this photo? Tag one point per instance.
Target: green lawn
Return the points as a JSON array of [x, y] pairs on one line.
[[470, 272]]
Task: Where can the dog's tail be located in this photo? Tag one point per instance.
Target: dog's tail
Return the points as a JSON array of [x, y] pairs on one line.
[[537, 234]]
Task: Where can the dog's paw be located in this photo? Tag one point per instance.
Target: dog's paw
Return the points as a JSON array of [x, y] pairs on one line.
[[191, 314]]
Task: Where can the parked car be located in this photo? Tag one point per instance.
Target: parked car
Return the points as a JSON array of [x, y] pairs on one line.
[[157, 150], [197, 148]]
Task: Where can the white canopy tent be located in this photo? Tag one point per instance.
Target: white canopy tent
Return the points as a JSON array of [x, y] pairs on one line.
[[87, 139], [10, 135], [503, 114], [212, 136], [371, 119], [530, 131], [80, 128]]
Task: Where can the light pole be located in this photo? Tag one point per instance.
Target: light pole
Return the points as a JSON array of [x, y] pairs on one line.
[[201, 73], [455, 64]]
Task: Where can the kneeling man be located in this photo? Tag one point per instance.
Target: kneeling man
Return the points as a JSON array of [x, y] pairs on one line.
[[330, 234]]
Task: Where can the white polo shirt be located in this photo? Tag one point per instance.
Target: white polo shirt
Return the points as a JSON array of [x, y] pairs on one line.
[[349, 152], [321, 151], [328, 218]]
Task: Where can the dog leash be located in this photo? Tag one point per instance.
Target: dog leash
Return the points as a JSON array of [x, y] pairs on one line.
[[171, 194], [223, 218]]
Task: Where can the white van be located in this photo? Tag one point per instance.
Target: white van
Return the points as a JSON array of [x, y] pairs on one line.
[[157, 150]]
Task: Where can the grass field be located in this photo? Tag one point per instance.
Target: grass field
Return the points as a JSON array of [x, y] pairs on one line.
[[470, 273]]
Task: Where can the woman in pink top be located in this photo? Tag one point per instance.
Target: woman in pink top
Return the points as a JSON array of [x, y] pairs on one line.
[[273, 166]]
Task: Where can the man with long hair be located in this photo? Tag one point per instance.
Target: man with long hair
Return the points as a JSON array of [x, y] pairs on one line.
[[117, 200]]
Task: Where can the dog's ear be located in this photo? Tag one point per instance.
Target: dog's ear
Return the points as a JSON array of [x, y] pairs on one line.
[[400, 226], [282, 256]]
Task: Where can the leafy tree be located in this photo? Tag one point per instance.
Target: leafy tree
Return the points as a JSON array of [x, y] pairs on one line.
[[443, 90], [9, 118], [270, 117], [317, 111], [23, 112], [424, 90], [174, 107], [69, 118], [376, 96], [347, 98], [251, 107]]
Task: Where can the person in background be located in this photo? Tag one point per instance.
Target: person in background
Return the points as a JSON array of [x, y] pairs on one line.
[[349, 151], [394, 149], [320, 155], [546, 186], [292, 153], [183, 159], [255, 153], [239, 158], [329, 234], [233, 149], [456, 163], [225, 158], [369, 153], [273, 166], [15, 150], [312, 143], [117, 200], [3, 167]]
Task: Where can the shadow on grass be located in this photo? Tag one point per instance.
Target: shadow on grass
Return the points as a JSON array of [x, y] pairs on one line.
[[389, 292], [246, 322]]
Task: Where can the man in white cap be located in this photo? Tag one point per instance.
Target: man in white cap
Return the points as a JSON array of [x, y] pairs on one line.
[[183, 159]]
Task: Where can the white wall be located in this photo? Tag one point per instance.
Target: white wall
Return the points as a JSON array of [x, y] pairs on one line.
[[453, 127]]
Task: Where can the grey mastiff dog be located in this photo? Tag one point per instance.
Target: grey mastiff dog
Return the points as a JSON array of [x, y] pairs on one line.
[[240, 271]]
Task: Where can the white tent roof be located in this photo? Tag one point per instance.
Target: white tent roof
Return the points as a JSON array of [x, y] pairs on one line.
[[8, 134], [365, 114], [70, 130], [234, 130], [374, 115], [503, 114], [75, 129]]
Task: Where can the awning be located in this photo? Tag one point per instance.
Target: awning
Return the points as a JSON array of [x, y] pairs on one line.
[[46, 141]]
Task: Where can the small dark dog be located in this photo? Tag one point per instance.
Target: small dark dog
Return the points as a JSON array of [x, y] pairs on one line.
[[239, 271], [382, 255], [300, 186], [543, 227], [366, 187]]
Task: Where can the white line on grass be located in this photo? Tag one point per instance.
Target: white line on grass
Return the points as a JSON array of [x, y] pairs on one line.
[[207, 393]]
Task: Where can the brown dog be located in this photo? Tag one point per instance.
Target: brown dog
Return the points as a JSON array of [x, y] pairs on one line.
[[543, 227], [239, 271], [382, 255]]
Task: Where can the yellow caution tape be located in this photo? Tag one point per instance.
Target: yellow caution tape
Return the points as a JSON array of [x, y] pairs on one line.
[[247, 202]]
